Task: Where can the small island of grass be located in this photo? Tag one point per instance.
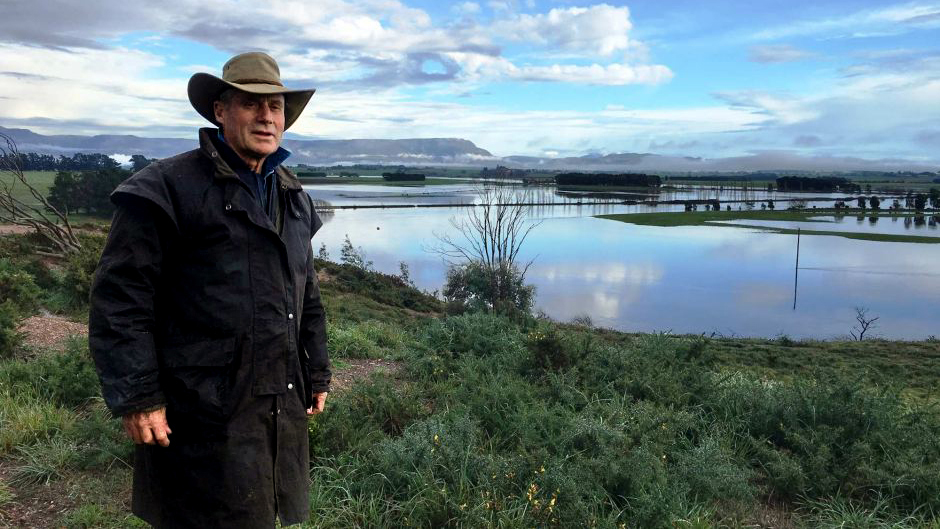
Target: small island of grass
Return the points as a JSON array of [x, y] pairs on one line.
[[721, 219]]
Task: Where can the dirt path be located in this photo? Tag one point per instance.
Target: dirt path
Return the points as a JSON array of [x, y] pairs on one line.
[[358, 369], [39, 506], [50, 331], [14, 229]]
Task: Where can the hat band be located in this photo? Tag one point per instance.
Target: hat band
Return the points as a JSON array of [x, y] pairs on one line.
[[256, 81]]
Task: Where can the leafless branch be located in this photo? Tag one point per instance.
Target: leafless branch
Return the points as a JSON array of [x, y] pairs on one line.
[[864, 323], [492, 232], [52, 224]]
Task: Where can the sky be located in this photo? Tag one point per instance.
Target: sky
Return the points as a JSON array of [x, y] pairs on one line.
[[822, 78]]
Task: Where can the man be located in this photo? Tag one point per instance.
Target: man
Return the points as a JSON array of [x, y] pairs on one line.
[[206, 323]]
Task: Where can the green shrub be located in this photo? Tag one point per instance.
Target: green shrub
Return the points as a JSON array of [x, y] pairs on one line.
[[66, 378], [818, 438], [363, 415], [565, 426], [10, 337], [17, 286], [99, 438], [477, 334], [79, 272], [502, 289], [383, 288]]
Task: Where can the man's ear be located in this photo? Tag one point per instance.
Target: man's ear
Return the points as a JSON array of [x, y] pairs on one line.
[[218, 109]]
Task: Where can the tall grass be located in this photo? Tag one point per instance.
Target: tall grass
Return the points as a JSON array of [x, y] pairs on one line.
[[26, 418]]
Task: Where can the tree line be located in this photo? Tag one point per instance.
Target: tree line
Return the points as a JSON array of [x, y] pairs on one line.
[[403, 177], [606, 179], [824, 184], [80, 161]]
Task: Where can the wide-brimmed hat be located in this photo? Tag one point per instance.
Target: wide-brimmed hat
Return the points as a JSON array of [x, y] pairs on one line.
[[253, 72]]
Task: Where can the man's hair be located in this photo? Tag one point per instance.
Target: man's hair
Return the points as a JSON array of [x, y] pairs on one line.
[[227, 95]]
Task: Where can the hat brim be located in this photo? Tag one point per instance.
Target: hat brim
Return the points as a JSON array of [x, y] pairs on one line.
[[204, 90]]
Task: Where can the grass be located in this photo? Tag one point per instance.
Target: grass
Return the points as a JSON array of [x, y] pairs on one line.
[[41, 180], [718, 218], [912, 367], [44, 461], [26, 418]]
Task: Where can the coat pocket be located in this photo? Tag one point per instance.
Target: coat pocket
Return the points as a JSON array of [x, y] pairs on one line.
[[197, 378]]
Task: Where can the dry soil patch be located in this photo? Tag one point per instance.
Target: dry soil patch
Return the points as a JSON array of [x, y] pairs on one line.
[[50, 331]]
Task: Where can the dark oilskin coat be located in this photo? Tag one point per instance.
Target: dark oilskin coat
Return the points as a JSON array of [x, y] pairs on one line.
[[200, 303]]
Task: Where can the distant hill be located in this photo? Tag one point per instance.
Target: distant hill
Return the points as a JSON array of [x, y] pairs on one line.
[[455, 151], [316, 152]]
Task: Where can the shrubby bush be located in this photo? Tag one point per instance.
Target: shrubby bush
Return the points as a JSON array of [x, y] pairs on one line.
[[20, 298], [18, 287], [10, 337], [555, 426], [475, 287], [383, 288], [67, 379], [79, 272]]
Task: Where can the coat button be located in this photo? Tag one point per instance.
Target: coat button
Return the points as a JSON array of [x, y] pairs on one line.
[[290, 386], [228, 207], [290, 316]]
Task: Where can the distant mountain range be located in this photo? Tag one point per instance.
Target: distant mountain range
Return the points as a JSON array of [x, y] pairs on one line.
[[454, 151]]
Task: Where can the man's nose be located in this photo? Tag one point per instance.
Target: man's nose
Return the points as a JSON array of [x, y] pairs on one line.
[[265, 114]]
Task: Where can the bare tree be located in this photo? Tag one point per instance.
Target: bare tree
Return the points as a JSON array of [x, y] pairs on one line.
[[52, 224], [493, 231], [491, 236], [864, 323]]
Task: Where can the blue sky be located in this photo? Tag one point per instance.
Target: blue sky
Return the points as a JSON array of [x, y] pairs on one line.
[[715, 79]]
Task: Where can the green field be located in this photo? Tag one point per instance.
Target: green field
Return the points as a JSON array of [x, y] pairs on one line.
[[715, 218], [41, 180]]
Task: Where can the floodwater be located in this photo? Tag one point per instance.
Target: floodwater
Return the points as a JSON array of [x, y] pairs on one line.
[[702, 279]]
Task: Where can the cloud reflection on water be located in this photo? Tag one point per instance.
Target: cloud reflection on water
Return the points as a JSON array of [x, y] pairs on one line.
[[684, 279]]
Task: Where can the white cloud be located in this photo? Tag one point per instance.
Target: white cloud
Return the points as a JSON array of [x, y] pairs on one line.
[[896, 19], [482, 67], [106, 87], [599, 29], [468, 8], [780, 53], [779, 109]]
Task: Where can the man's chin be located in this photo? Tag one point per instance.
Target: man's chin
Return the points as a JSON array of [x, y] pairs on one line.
[[259, 153]]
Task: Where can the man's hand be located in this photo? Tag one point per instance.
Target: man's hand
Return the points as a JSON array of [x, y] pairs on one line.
[[319, 400], [148, 427]]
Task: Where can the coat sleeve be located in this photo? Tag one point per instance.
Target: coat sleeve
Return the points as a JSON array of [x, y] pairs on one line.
[[121, 320], [313, 326]]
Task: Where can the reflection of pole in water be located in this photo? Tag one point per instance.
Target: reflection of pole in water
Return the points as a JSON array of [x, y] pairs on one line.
[[796, 269]]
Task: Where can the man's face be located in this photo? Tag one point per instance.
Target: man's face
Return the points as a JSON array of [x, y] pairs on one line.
[[253, 124]]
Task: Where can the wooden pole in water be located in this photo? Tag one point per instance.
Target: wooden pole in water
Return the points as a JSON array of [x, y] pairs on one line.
[[796, 269]]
